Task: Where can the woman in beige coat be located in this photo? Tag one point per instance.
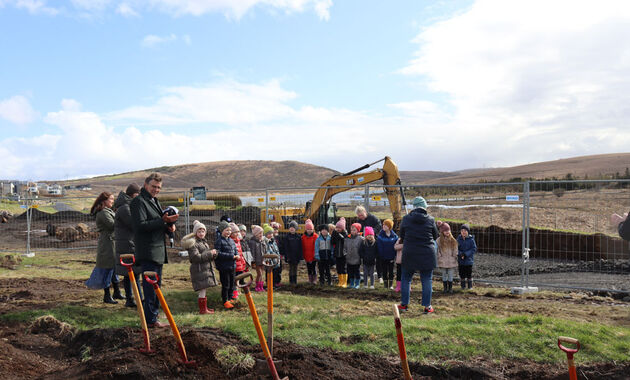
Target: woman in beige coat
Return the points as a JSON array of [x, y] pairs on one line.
[[200, 256]]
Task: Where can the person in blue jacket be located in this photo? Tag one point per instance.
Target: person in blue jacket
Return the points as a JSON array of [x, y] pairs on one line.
[[323, 254], [417, 234], [226, 262], [466, 255], [387, 254]]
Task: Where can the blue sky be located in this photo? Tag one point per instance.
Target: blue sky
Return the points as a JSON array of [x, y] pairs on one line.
[[106, 86]]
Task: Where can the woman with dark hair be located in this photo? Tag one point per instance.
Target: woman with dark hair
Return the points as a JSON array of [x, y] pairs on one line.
[[101, 277]]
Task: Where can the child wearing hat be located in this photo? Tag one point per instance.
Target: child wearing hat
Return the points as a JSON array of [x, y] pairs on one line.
[[247, 254], [337, 237], [240, 264], [271, 248], [323, 254], [291, 249], [200, 256], [368, 251], [447, 255], [225, 261], [308, 250], [351, 247], [385, 242], [258, 249], [466, 252]]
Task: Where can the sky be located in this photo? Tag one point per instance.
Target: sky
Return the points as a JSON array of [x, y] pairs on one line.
[[90, 87]]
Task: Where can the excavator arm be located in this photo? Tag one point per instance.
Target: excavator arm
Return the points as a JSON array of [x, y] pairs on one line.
[[344, 182]]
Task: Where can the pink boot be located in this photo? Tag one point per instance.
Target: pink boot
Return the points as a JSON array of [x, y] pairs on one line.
[[397, 286], [235, 295], [260, 286]]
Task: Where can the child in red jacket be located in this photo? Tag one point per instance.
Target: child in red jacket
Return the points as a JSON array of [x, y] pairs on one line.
[[241, 264], [308, 250]]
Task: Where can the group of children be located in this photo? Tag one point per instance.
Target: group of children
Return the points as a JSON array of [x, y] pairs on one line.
[[331, 245], [455, 253]]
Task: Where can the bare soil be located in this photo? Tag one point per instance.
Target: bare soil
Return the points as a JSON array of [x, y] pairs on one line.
[[114, 354]]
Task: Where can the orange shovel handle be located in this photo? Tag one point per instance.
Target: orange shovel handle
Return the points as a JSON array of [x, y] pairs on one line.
[[401, 345], [167, 311]]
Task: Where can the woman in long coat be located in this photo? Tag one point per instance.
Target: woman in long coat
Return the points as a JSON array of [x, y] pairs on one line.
[[418, 232], [101, 277]]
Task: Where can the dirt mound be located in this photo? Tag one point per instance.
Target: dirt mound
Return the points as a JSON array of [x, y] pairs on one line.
[[10, 261], [37, 215], [47, 324]]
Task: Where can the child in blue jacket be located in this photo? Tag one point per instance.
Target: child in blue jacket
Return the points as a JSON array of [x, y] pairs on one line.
[[465, 255], [323, 254], [226, 262], [386, 252]]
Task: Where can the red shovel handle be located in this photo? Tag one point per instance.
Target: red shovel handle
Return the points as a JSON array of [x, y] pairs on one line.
[[566, 339], [147, 277], [242, 276], [127, 256]]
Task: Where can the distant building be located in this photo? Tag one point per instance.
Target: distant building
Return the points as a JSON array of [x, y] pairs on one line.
[[7, 188], [55, 189], [84, 187], [32, 189]]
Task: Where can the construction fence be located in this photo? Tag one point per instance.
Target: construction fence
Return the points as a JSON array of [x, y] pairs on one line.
[[548, 234]]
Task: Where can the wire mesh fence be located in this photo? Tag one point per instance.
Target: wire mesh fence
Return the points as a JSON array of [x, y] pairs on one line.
[[536, 233]]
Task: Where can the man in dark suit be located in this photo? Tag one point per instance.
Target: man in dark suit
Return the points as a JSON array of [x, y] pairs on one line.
[[150, 225]]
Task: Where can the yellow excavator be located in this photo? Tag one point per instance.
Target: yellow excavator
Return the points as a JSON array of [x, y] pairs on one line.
[[320, 210]]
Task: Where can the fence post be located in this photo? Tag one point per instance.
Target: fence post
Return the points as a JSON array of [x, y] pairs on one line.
[[367, 198], [28, 230], [266, 207], [187, 208]]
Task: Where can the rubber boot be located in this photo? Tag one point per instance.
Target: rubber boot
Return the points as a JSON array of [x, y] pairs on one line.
[[445, 286], [397, 290], [463, 283], [235, 295], [107, 298], [293, 280], [203, 306], [117, 294], [260, 286], [344, 280], [128, 292], [470, 283], [450, 287]]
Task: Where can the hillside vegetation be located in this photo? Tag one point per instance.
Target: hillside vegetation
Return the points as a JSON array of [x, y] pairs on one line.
[[250, 175]]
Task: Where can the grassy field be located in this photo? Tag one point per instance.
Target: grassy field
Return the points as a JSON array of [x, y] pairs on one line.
[[486, 323]]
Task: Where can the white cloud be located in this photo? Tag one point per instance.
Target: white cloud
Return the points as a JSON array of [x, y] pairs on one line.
[[187, 40], [33, 6], [91, 5], [126, 10], [240, 121], [233, 9], [152, 40], [236, 9], [227, 102], [17, 110], [526, 79]]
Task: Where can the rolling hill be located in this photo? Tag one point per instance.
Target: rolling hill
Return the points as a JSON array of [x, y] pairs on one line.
[[250, 175]]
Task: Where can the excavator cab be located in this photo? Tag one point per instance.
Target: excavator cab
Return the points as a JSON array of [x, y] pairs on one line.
[[325, 214]]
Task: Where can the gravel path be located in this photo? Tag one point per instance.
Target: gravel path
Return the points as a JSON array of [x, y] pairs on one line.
[[599, 275]]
